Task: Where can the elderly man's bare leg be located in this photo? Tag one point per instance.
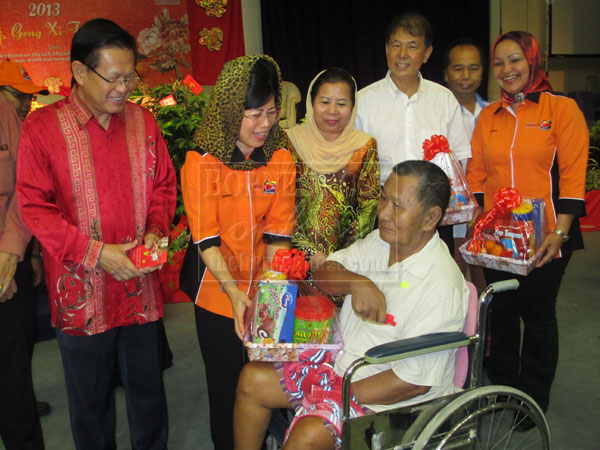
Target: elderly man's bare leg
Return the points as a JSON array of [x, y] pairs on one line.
[[310, 432], [258, 392]]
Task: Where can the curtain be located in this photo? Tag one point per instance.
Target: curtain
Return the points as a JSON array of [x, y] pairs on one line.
[[307, 36]]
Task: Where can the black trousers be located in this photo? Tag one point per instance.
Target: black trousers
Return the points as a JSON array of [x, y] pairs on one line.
[[224, 356], [19, 424], [532, 365], [89, 363]]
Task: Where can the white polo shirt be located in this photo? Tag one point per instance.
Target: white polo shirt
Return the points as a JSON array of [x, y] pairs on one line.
[[426, 293], [401, 124]]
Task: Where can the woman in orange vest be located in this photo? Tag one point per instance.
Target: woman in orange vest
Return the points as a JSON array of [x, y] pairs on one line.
[[238, 190], [536, 141]]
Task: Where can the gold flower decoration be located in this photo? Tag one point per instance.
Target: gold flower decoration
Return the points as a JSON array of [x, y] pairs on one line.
[[213, 8], [53, 84], [212, 38]]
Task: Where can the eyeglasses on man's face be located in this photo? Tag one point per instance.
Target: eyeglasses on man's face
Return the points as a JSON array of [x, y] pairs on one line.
[[130, 82], [255, 115]]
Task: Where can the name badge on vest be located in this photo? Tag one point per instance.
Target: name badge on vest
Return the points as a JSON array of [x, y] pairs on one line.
[[270, 187]]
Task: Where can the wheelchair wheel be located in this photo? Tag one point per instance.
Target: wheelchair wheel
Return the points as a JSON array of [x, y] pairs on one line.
[[487, 417]]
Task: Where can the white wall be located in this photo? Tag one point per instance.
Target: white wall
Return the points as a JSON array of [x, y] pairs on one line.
[[252, 27], [565, 74]]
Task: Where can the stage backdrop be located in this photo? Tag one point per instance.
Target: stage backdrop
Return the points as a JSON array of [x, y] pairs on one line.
[[38, 34]]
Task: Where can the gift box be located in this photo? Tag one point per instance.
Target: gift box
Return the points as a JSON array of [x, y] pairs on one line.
[[275, 297], [462, 205], [508, 236], [274, 311], [150, 257]]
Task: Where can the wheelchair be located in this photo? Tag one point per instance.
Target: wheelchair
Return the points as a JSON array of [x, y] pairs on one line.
[[479, 417]]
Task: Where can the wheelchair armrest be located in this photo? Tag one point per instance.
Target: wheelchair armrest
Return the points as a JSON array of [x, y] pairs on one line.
[[419, 345]]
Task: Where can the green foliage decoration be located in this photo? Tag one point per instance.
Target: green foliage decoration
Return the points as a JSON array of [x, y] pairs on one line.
[[177, 122], [592, 176]]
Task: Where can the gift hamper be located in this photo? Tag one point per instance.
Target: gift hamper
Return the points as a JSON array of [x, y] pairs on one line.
[[508, 236], [289, 315], [463, 205]]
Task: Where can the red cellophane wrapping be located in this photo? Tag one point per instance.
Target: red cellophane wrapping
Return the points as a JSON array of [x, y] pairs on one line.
[[507, 237], [462, 201]]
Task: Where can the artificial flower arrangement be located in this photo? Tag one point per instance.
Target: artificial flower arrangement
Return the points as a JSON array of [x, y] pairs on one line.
[[463, 205]]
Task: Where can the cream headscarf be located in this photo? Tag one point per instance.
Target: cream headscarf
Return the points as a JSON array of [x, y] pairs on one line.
[[321, 155]]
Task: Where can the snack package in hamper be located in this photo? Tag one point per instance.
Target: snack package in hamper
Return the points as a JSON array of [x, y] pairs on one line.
[[275, 298], [462, 204], [509, 235], [313, 323]]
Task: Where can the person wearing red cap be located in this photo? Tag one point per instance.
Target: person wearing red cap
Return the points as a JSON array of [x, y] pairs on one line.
[[19, 421]]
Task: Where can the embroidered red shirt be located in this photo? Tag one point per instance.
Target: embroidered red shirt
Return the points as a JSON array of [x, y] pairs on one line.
[[80, 186]]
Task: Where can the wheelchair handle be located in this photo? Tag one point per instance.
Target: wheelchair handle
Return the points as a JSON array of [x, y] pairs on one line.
[[506, 285]]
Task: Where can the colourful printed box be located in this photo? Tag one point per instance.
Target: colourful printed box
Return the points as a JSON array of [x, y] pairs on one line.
[[274, 314]]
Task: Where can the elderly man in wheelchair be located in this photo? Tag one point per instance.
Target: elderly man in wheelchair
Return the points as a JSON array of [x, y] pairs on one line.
[[401, 282]]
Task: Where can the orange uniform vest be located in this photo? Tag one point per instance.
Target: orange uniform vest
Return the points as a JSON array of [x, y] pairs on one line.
[[541, 149], [236, 210]]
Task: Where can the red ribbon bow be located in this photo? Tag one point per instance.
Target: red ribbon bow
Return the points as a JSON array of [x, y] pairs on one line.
[[504, 200], [437, 144], [291, 262]]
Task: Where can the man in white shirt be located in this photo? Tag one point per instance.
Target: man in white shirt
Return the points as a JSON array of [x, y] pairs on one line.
[[403, 109], [400, 282], [463, 71]]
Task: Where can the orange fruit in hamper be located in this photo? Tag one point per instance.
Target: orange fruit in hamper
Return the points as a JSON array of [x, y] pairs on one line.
[[489, 246]]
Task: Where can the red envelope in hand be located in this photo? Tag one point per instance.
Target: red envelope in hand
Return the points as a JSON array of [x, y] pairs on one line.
[[150, 257]]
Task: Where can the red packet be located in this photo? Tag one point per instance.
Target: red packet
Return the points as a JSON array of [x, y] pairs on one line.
[[150, 257], [169, 100], [194, 86]]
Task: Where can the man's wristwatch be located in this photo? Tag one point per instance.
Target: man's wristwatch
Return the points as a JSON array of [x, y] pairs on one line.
[[564, 236]]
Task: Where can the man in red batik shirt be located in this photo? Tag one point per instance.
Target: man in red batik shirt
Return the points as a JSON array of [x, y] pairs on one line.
[[95, 180]]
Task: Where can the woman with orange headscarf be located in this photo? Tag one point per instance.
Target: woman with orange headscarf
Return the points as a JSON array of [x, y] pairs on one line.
[[536, 141]]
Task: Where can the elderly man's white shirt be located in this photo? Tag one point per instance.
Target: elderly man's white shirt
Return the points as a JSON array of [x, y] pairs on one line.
[[426, 293], [401, 124]]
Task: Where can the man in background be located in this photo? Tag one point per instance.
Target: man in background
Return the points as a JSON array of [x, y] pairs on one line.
[[403, 109], [19, 412], [463, 71]]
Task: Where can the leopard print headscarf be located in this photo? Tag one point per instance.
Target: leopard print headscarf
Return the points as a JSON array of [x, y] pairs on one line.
[[219, 129]]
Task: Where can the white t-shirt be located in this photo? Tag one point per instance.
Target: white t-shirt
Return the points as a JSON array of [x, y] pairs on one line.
[[426, 293], [400, 125]]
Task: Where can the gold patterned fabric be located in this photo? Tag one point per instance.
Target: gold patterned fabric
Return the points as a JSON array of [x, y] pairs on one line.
[[219, 128], [334, 210]]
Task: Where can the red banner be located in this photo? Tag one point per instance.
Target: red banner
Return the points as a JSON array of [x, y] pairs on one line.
[[216, 35], [38, 34]]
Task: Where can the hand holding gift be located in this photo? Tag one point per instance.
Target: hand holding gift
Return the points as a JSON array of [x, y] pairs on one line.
[[154, 256]]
